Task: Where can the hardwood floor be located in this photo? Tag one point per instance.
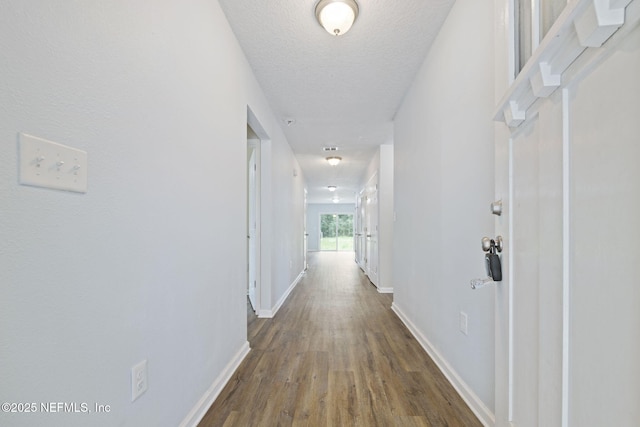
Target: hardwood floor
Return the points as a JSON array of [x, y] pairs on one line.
[[336, 355]]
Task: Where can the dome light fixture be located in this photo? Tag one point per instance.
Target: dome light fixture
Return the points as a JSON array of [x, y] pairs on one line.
[[336, 16], [334, 160], [332, 188]]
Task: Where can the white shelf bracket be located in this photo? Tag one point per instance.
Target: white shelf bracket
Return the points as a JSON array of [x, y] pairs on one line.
[[543, 83], [599, 21], [513, 115]]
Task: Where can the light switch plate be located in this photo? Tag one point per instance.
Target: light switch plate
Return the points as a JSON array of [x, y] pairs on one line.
[[139, 380], [51, 165], [464, 323]]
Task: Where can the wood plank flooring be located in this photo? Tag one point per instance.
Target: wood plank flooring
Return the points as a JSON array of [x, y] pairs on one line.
[[336, 355]]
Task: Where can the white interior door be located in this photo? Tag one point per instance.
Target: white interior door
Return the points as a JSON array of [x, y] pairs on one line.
[[371, 230], [252, 221], [360, 230], [305, 238]]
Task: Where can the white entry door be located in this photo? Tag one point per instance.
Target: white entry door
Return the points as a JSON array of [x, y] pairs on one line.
[[567, 322], [529, 297], [530, 181]]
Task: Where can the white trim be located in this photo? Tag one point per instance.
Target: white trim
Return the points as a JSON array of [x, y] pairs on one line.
[[535, 25], [265, 314], [269, 314], [200, 409], [581, 28], [385, 290], [263, 200], [484, 414], [511, 41], [566, 252], [256, 145], [512, 248]]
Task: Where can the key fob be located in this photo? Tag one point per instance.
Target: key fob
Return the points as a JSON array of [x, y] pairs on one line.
[[495, 267]]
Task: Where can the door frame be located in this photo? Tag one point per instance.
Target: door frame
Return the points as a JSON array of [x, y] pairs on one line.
[[253, 152], [254, 143], [265, 217]]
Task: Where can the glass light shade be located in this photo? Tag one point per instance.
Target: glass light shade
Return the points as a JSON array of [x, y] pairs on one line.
[[332, 188], [337, 16], [333, 161]]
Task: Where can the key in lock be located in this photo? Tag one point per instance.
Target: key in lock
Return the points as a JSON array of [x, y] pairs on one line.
[[492, 259], [494, 267]]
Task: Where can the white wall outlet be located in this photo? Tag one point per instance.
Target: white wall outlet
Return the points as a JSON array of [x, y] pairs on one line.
[[464, 320], [139, 380], [50, 165]]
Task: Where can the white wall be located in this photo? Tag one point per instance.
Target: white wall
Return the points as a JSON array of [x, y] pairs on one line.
[[443, 187], [313, 219], [150, 263], [285, 231]]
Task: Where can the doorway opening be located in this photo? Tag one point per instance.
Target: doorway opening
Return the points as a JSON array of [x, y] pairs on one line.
[[336, 232]]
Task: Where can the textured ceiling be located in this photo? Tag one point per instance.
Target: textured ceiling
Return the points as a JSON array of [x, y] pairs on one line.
[[341, 91]]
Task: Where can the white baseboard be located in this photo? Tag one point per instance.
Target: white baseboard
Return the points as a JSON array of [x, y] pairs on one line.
[[200, 409], [385, 290], [268, 314], [484, 414], [265, 314]]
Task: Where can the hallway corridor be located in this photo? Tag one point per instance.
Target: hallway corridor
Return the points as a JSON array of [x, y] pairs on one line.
[[336, 355]]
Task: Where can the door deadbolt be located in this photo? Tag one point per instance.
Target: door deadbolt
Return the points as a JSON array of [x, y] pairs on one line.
[[491, 245]]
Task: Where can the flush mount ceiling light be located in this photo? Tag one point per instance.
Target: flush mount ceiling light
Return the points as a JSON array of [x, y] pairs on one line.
[[333, 161], [336, 16], [332, 188]]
